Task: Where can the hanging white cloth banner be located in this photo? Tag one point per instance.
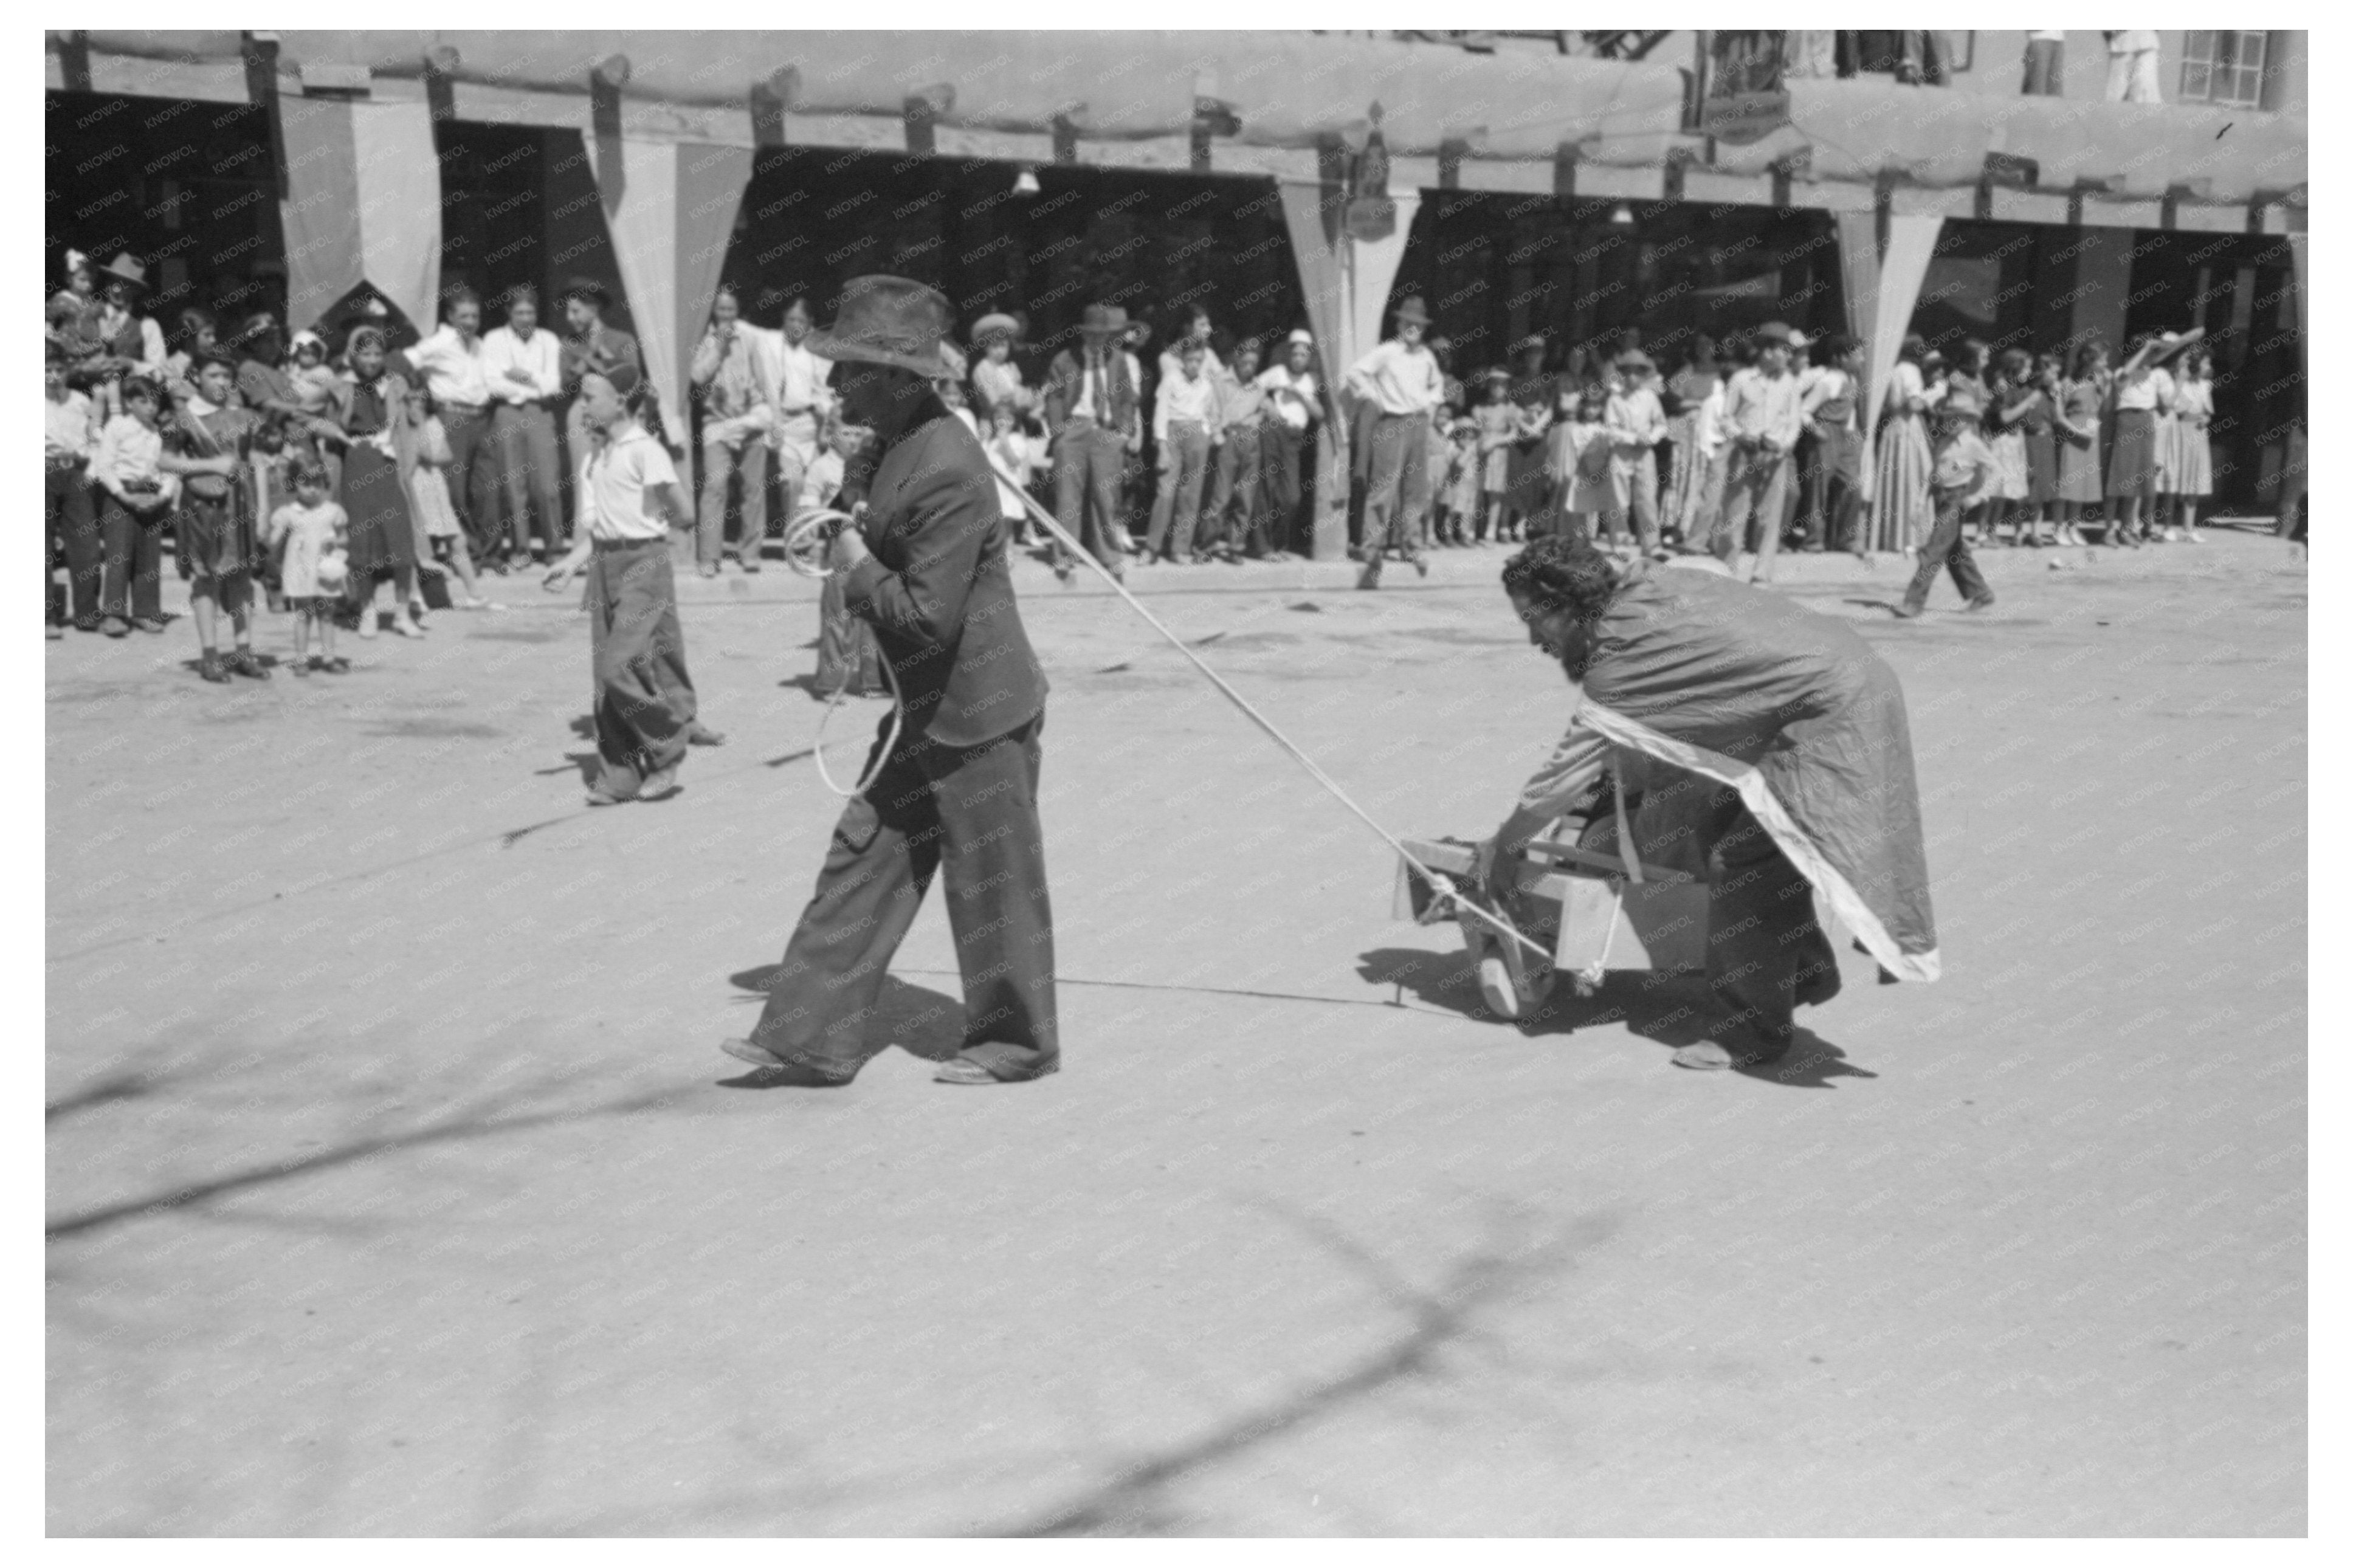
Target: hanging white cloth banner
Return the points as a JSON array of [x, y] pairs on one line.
[[1911, 244], [1373, 268], [363, 205], [671, 209]]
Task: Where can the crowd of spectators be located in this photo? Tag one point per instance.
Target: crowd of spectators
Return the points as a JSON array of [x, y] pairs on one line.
[[447, 459]]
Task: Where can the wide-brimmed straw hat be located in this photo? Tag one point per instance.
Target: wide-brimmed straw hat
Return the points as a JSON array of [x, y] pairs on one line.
[[995, 325], [888, 321]]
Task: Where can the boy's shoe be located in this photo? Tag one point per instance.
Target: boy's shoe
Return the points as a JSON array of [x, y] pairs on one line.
[[1982, 601], [243, 662], [209, 667], [149, 624], [57, 632], [1909, 611]]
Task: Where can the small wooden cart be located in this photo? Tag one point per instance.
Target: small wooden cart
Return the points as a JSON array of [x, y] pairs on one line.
[[1588, 908]]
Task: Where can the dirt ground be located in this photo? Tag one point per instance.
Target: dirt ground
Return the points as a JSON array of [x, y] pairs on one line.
[[395, 1186]]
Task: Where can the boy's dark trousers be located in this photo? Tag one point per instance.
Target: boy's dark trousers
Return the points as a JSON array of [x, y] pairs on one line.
[[73, 533], [645, 700], [133, 588], [1945, 547], [1236, 484], [971, 811]]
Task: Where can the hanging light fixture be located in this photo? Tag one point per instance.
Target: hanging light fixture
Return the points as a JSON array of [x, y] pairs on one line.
[[1025, 184], [1623, 215]]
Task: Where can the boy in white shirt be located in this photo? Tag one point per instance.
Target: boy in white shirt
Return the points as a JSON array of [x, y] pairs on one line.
[[645, 702]]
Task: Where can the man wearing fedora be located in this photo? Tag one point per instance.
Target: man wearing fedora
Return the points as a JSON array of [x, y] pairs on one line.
[[129, 344], [925, 566], [1093, 401], [1400, 383]]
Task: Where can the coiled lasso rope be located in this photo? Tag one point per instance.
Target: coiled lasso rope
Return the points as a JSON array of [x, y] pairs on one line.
[[805, 546]]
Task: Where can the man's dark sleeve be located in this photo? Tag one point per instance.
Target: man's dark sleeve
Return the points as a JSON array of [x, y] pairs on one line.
[[954, 515]]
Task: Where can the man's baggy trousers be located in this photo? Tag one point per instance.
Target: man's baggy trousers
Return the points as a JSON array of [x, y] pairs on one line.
[[972, 811]]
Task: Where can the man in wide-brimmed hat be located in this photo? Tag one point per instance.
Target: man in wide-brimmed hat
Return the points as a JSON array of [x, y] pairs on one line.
[[1094, 398], [133, 341], [1638, 423], [958, 793], [1400, 383]]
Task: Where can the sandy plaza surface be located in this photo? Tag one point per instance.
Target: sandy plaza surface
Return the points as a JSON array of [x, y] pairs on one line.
[[395, 1184]]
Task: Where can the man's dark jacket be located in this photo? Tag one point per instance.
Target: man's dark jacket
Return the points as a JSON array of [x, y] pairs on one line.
[[937, 588]]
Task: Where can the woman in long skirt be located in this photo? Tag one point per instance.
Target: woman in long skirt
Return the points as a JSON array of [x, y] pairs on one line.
[[2080, 396], [374, 417], [1902, 510], [2191, 472]]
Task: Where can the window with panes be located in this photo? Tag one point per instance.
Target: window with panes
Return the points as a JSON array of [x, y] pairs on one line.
[[2224, 68]]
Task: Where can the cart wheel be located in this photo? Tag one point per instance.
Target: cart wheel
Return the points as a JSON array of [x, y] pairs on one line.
[[1495, 985]]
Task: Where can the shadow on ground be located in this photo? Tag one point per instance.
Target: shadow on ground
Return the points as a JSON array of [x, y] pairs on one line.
[[919, 1021], [1675, 1010]]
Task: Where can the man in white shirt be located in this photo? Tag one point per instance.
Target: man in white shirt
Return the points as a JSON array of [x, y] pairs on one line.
[[1829, 405], [1762, 422], [1638, 423], [1168, 464], [1294, 405], [739, 402], [1400, 381], [630, 501], [797, 375], [1185, 422], [449, 362], [524, 368]]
